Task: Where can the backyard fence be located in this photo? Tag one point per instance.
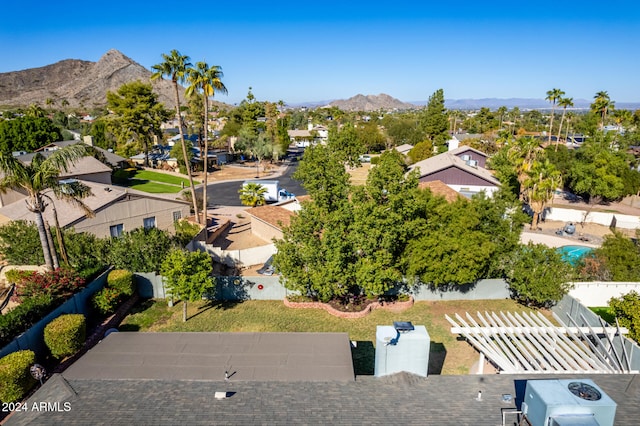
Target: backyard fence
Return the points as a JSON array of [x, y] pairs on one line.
[[598, 293], [79, 303]]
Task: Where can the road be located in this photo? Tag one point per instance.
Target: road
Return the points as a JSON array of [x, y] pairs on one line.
[[226, 193]]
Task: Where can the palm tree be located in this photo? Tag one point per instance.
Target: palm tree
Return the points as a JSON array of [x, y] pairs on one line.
[[553, 96], [523, 154], [208, 80], [176, 67], [37, 177], [602, 103], [252, 194], [542, 180], [564, 103]]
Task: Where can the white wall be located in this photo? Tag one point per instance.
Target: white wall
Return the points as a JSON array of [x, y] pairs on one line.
[[571, 215], [598, 293], [246, 257]]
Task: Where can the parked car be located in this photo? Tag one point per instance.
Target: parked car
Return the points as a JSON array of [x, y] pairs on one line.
[[366, 158]]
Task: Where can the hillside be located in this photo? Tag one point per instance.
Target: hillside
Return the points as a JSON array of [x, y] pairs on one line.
[[380, 102], [80, 83]]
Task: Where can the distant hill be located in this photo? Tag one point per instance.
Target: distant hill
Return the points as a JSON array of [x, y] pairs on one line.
[[80, 83], [371, 103]]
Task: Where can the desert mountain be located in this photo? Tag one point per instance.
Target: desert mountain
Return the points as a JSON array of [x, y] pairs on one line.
[[371, 103], [81, 83]]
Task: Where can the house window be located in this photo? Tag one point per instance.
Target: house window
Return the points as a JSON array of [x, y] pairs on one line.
[[149, 222], [116, 230], [177, 215]]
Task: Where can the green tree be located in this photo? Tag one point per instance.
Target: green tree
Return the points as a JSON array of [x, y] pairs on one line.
[[538, 276], [140, 250], [136, 115], [626, 309], [207, 80], [553, 96], [27, 133], [435, 122], [177, 153], [40, 175], [346, 144], [421, 151], [176, 66], [324, 177], [252, 194], [187, 276], [619, 259], [19, 243]]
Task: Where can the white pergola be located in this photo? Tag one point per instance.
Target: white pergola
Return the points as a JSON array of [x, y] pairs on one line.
[[524, 342]]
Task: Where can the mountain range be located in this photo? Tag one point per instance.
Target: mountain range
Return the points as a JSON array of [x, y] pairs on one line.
[[85, 84]]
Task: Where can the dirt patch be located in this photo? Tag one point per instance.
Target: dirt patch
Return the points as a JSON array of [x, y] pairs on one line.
[[239, 172]]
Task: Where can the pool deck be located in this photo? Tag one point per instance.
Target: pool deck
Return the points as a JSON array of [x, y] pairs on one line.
[[552, 240]]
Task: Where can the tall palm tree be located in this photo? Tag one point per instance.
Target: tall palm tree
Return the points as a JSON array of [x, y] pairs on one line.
[[39, 176], [553, 96], [602, 103], [542, 180], [208, 80], [176, 66], [564, 103]]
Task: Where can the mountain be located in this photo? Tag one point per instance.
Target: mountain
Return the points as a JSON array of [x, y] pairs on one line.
[[81, 83], [371, 103]]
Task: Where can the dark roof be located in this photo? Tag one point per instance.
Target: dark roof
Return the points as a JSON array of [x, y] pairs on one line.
[[206, 356], [400, 399]]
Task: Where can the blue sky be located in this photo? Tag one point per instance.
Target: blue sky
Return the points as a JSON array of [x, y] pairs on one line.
[[323, 50]]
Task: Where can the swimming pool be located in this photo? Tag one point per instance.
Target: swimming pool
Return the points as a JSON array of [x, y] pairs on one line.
[[572, 254]]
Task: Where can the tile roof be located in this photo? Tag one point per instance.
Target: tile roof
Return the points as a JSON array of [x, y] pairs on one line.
[[441, 189], [275, 216]]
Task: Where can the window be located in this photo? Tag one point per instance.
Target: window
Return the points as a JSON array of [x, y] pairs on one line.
[[116, 230], [177, 215], [149, 222]]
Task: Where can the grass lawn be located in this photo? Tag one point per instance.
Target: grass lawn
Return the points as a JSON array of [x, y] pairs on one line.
[[605, 313], [162, 177], [448, 353], [153, 187]]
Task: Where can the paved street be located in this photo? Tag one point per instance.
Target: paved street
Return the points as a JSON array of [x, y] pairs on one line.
[[226, 193]]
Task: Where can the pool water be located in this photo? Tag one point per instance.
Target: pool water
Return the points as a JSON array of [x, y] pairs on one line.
[[572, 254]]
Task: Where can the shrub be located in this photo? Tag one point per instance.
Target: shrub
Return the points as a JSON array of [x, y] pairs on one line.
[[17, 275], [20, 243], [60, 283], [106, 300], [15, 377], [121, 280], [20, 318], [65, 335], [627, 309]]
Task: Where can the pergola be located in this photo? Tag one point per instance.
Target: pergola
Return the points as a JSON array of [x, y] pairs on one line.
[[524, 342]]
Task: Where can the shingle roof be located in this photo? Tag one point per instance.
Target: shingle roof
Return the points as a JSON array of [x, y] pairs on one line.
[[400, 399], [446, 160], [465, 148], [113, 159]]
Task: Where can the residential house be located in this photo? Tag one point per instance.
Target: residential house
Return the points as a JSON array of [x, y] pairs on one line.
[[267, 222], [404, 148], [465, 176], [313, 135], [116, 210]]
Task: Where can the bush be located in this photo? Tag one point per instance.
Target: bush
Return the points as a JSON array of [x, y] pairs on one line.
[[15, 377], [65, 335], [20, 243], [60, 283], [627, 309], [122, 281], [106, 300], [17, 275], [20, 318]]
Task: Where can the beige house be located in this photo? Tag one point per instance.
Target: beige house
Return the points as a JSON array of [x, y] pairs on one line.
[[116, 210]]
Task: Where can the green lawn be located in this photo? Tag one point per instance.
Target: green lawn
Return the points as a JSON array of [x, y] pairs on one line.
[[605, 314], [153, 187], [448, 355], [162, 177]]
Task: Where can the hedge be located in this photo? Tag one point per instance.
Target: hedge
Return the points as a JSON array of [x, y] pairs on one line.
[[19, 319], [121, 280], [106, 300], [15, 375], [65, 335]]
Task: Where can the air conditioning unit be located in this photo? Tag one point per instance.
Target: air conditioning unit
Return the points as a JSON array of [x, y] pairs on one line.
[[466, 157], [567, 402], [472, 163]]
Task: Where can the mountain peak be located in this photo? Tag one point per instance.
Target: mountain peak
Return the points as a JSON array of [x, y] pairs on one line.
[[379, 102]]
